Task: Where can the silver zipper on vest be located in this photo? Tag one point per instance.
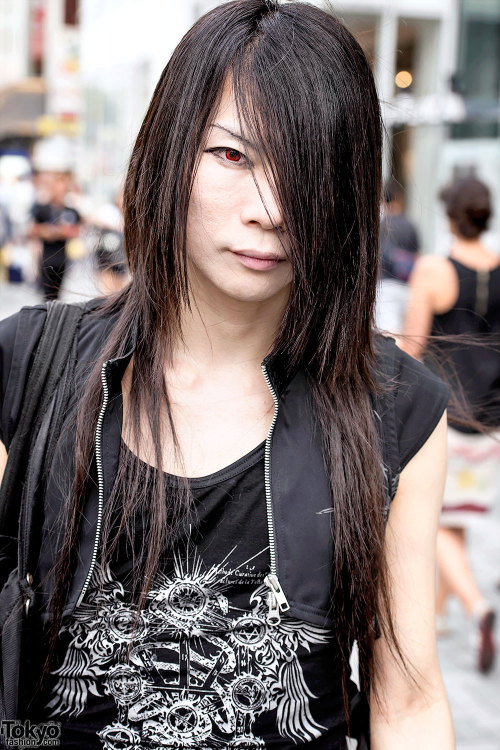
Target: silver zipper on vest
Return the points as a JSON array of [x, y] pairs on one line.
[[100, 481], [276, 599]]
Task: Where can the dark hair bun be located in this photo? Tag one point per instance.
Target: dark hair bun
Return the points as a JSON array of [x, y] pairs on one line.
[[468, 205]]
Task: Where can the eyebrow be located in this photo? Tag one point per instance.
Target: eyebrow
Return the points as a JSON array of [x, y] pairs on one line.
[[238, 136]]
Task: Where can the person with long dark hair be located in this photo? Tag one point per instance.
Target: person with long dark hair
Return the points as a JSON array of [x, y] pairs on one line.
[[249, 479], [454, 296]]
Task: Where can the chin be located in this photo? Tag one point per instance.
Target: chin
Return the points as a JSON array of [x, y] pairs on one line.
[[259, 295]]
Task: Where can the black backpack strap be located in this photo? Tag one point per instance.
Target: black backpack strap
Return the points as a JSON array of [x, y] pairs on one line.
[[43, 409], [49, 362]]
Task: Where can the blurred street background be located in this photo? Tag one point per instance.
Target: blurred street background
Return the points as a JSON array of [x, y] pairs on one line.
[[75, 80]]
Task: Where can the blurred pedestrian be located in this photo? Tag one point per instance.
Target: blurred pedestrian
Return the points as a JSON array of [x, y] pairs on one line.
[[110, 262], [109, 215], [54, 223], [5, 226], [106, 242], [399, 247], [5, 237], [460, 294]]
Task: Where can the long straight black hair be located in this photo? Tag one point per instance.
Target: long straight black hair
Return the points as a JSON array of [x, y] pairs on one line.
[[306, 97]]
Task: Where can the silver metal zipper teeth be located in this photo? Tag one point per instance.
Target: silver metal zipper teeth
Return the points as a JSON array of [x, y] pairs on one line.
[[267, 476], [100, 481]]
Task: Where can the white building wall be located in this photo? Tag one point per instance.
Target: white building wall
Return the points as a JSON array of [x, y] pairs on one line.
[[13, 41], [124, 46]]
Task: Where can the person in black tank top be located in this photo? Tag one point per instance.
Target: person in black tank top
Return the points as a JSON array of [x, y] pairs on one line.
[[449, 297]]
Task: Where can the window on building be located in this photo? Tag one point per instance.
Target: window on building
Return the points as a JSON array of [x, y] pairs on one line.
[[478, 78], [71, 12], [364, 29]]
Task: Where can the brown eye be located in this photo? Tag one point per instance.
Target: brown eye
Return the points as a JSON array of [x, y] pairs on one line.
[[232, 154]]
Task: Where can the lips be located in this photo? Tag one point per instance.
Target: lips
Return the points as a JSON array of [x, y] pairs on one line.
[[258, 261], [258, 256]]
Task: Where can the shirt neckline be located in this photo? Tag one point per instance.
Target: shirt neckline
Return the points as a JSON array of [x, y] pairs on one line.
[[216, 477]]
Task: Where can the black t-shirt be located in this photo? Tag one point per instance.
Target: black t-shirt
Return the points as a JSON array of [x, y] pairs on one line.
[[54, 251], [206, 670]]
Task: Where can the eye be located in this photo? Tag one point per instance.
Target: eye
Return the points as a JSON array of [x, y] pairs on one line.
[[232, 154]]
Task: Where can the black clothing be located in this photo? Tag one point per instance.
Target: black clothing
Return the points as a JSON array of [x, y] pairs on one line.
[[206, 666], [53, 263], [475, 369], [399, 246], [51, 279], [297, 511]]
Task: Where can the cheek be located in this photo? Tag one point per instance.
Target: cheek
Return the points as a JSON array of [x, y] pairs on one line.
[[207, 215], [215, 192]]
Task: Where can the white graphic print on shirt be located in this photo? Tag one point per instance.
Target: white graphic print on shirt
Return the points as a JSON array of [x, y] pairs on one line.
[[199, 671]]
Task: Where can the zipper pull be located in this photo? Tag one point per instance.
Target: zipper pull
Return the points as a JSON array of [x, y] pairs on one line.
[[276, 599]]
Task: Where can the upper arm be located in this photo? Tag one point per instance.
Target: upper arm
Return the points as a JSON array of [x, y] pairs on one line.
[[410, 554]]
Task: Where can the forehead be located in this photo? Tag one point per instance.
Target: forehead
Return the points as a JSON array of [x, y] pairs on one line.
[[226, 113]]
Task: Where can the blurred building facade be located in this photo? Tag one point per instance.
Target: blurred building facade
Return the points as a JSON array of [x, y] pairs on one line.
[[40, 93]]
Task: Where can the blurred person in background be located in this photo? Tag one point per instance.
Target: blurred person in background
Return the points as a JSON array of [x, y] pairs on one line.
[[54, 223], [110, 262], [460, 294], [16, 196], [106, 242], [5, 225], [42, 181], [18, 199], [109, 215], [399, 247], [5, 237]]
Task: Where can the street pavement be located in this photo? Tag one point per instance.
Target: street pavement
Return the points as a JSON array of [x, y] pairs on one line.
[[474, 698]]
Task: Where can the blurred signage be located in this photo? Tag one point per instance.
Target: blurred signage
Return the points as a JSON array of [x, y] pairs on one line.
[[65, 99], [433, 109], [52, 125], [37, 30]]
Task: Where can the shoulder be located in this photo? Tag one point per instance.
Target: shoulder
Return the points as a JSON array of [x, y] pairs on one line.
[[71, 214], [411, 402], [434, 283], [19, 337], [433, 269], [40, 211]]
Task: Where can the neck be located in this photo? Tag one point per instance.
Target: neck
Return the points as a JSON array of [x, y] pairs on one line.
[[468, 248], [466, 244], [473, 253], [219, 333]]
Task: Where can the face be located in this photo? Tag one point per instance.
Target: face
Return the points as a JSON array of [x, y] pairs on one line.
[[59, 187], [233, 247]]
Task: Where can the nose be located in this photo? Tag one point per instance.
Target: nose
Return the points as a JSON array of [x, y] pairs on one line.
[[260, 205]]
